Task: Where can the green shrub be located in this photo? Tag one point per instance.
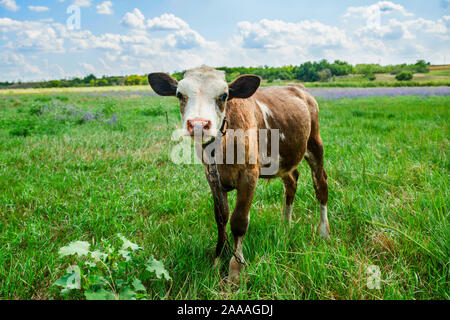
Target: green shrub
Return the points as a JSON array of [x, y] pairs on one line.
[[111, 272], [371, 77], [21, 132], [43, 99], [404, 76], [155, 110], [109, 107], [62, 98], [22, 128], [36, 110]]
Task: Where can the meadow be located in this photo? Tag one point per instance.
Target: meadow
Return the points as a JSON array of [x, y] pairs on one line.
[[84, 166]]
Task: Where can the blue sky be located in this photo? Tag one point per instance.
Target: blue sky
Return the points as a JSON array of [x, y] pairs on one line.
[[124, 37]]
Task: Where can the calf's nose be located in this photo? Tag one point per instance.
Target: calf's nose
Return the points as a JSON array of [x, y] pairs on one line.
[[198, 125]]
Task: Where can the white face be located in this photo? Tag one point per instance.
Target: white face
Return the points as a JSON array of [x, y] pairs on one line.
[[203, 93]]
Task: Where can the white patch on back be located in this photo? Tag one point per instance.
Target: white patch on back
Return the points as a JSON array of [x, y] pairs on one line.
[[265, 112]]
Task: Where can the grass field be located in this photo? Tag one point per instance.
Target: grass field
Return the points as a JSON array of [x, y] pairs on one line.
[[81, 167], [434, 75]]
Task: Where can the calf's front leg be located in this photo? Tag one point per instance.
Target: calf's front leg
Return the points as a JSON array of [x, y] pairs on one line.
[[240, 219], [221, 210], [221, 221]]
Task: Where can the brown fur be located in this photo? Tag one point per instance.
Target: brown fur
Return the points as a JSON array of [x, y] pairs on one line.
[[296, 114]]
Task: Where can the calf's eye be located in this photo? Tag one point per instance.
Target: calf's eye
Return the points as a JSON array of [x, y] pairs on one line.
[[180, 96], [223, 97]]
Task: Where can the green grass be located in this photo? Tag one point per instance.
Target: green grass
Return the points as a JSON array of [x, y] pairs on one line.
[[362, 82], [432, 79], [442, 73], [63, 179]]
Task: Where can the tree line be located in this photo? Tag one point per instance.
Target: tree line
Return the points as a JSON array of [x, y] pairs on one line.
[[324, 70], [307, 72]]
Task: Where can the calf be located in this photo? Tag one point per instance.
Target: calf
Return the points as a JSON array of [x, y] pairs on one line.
[[209, 105]]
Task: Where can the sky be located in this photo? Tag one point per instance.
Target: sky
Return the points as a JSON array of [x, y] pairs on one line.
[[56, 39]]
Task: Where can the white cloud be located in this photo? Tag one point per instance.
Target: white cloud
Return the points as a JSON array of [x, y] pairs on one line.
[[392, 30], [439, 27], [398, 38], [33, 35], [134, 19], [9, 5], [104, 64], [82, 3], [166, 22], [38, 8], [185, 39], [9, 25], [87, 67], [373, 11], [386, 31], [17, 66], [274, 34], [105, 8]]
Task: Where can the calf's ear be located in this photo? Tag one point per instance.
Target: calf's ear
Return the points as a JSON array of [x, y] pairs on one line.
[[163, 84], [244, 86]]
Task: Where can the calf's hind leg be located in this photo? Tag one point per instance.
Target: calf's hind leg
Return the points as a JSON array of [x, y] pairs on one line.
[[290, 188], [314, 157]]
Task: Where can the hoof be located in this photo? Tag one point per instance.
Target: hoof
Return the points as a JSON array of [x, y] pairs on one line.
[[324, 231], [216, 262], [287, 214], [234, 271]]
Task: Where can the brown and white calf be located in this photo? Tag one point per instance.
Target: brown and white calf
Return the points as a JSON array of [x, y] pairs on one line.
[[206, 99]]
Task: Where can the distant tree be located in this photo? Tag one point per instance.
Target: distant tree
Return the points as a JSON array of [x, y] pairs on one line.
[[54, 83], [232, 76], [306, 72], [89, 78], [114, 81], [102, 83], [422, 66], [324, 75], [76, 81], [341, 68], [178, 75], [133, 80]]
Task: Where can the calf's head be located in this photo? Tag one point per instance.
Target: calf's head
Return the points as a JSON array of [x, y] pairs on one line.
[[203, 94]]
